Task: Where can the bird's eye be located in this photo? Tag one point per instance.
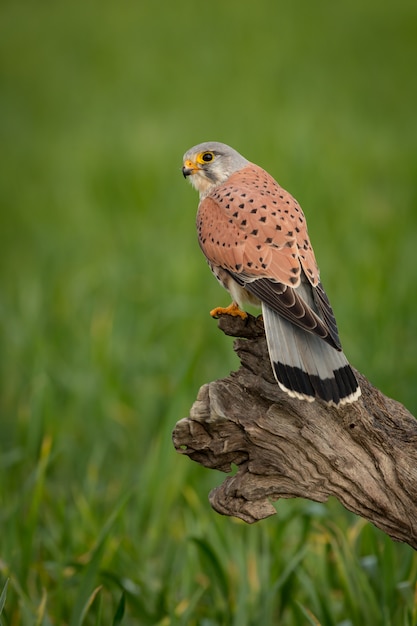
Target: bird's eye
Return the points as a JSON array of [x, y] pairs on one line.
[[205, 157]]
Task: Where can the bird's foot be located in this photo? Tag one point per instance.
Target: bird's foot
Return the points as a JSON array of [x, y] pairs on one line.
[[232, 309]]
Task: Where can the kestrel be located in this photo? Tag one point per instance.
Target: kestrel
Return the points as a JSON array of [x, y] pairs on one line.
[[254, 236]]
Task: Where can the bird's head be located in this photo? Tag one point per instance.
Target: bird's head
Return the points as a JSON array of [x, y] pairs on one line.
[[210, 164]]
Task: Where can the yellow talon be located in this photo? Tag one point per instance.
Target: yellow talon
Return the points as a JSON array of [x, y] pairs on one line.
[[232, 309]]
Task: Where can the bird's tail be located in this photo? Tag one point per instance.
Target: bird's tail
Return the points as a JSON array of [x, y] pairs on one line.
[[305, 366]]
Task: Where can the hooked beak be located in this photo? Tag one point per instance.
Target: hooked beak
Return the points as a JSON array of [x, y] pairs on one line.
[[189, 168]]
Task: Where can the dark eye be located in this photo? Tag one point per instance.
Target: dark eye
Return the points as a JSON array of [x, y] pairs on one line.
[[207, 157]]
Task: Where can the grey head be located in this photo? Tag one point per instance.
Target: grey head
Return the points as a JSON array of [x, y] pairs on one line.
[[210, 164]]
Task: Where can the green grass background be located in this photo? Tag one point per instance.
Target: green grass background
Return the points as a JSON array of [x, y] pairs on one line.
[[105, 332]]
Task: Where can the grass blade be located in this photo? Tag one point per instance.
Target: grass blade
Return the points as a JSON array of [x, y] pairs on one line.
[[120, 611], [3, 596]]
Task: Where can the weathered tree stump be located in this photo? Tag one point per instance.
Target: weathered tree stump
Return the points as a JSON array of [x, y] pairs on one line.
[[364, 454]]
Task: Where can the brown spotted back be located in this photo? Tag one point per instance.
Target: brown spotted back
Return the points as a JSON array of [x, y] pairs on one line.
[[253, 227]]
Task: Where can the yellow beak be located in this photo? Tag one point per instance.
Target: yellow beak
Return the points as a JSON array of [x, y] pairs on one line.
[[189, 168]]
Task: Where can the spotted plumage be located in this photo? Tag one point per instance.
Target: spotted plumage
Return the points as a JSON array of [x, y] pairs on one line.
[[254, 236]]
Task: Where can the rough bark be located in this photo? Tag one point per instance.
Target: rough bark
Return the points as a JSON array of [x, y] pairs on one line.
[[363, 454]]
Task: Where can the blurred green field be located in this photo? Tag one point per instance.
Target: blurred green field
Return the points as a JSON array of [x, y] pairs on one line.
[[105, 332]]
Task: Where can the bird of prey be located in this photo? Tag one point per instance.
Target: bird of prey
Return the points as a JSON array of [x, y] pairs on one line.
[[254, 236]]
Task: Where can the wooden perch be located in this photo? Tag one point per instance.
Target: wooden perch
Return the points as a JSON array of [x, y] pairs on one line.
[[364, 454]]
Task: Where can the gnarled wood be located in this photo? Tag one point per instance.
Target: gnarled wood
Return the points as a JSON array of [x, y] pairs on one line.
[[363, 454]]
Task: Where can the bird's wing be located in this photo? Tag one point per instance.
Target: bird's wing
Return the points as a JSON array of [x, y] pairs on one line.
[[254, 229], [257, 228], [297, 305]]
